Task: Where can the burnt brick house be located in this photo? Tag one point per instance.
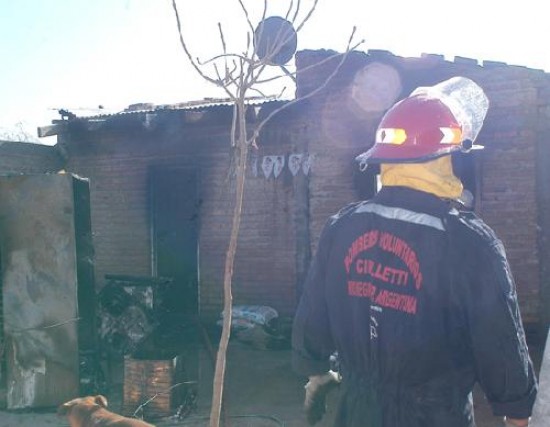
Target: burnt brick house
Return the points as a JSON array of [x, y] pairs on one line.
[[160, 180]]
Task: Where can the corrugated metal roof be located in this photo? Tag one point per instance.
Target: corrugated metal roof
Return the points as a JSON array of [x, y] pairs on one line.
[[203, 104]]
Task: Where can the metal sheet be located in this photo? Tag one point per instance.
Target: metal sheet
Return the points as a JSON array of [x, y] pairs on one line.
[[39, 275]]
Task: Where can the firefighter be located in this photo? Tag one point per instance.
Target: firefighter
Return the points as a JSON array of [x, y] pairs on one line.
[[414, 295]]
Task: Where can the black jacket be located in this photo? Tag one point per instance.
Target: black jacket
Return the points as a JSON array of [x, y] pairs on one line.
[[419, 302]]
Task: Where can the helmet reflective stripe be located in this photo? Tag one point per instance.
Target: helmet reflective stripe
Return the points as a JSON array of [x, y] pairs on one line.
[[391, 136], [451, 135]]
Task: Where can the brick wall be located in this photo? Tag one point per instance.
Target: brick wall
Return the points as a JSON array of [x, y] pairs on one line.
[[508, 197], [117, 163], [28, 158]]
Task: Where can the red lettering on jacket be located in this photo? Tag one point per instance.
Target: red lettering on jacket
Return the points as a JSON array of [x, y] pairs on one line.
[[362, 243], [405, 303], [401, 249], [386, 274], [361, 289], [384, 298]]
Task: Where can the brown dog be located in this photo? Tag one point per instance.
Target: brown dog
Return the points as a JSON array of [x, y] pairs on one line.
[[90, 411]]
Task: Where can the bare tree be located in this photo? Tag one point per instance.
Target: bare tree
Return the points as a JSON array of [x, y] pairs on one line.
[[18, 133], [239, 75]]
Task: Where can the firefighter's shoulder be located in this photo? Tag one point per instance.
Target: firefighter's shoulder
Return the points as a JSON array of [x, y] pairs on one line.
[[468, 224], [346, 211]]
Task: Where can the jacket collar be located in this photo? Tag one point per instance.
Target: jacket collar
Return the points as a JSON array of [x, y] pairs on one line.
[[415, 200]]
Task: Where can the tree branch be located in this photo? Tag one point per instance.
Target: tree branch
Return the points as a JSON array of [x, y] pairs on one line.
[[227, 55], [247, 16], [309, 14], [308, 95], [224, 84], [186, 50], [290, 7]]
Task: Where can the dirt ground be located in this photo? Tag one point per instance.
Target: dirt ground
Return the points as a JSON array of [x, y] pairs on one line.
[[261, 390]]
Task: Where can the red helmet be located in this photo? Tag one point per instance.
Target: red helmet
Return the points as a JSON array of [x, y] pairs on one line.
[[430, 123]]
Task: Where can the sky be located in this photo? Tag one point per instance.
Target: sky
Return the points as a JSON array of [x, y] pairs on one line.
[[82, 54]]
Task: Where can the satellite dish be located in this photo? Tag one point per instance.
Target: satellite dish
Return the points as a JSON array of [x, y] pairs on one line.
[[275, 40]]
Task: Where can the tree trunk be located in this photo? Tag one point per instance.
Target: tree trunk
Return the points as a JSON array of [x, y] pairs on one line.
[[219, 373]]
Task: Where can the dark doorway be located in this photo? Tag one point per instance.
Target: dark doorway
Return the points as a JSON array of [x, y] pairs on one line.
[[175, 222]]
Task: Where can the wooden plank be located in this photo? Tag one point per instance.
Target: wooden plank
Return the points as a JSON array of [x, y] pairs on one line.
[[51, 130]]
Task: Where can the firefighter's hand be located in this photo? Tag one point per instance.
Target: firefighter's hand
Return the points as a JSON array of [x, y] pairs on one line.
[[514, 422], [317, 390]]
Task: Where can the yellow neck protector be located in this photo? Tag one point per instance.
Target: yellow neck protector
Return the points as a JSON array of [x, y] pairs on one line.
[[435, 177]]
